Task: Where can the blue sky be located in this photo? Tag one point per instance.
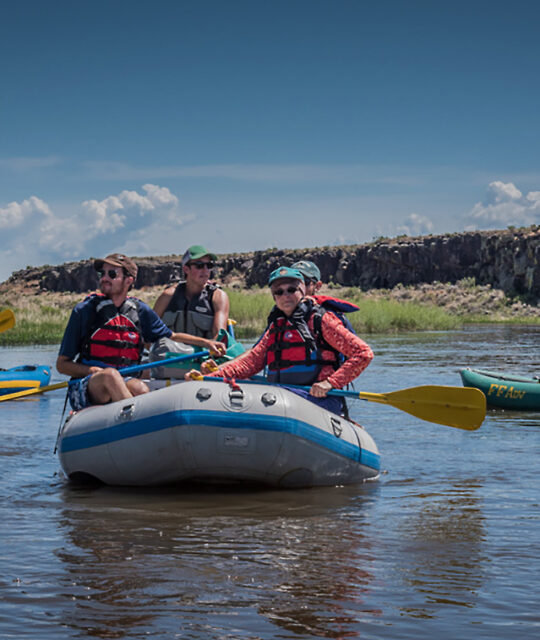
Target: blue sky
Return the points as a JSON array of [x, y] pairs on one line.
[[145, 127]]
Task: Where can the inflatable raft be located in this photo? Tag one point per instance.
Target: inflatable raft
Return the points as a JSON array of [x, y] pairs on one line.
[[25, 377], [504, 391], [209, 431]]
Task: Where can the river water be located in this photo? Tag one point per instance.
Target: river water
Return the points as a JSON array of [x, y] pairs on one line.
[[445, 545]]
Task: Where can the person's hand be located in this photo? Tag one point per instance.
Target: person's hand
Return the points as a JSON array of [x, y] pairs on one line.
[[193, 375], [208, 366], [92, 370], [320, 389], [216, 348]]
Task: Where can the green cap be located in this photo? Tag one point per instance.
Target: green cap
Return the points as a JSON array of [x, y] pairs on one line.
[[195, 252], [308, 269], [285, 272]]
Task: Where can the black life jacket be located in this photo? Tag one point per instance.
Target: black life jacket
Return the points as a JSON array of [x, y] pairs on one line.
[[195, 316], [114, 336], [297, 350]]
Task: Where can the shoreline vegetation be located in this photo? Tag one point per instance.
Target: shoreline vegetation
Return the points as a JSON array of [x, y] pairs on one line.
[[42, 316]]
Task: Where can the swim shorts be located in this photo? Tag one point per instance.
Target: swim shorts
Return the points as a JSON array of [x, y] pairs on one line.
[[78, 394]]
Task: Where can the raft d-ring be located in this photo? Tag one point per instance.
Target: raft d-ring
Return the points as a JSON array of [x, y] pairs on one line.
[[236, 396]]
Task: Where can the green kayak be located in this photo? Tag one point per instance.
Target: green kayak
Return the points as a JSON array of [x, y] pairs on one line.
[[505, 391]]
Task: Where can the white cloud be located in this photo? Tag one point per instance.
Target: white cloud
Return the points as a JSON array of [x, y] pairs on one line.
[[15, 213], [534, 198], [504, 205], [145, 222], [415, 225], [104, 215], [160, 195]]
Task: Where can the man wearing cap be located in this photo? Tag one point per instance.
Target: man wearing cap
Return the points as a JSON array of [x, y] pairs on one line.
[[107, 331], [301, 345], [195, 306]]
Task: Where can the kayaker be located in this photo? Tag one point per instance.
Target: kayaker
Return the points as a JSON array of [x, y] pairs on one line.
[[107, 331], [195, 305], [301, 345]]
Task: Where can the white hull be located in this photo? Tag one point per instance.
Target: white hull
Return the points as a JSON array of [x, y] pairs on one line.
[[207, 431]]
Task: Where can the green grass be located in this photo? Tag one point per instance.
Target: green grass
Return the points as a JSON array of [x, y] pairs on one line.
[[41, 319], [389, 316], [250, 309], [494, 319], [39, 324]]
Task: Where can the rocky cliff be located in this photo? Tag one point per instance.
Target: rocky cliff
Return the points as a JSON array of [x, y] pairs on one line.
[[508, 260]]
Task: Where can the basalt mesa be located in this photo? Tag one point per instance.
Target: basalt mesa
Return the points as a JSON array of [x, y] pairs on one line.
[[507, 260]]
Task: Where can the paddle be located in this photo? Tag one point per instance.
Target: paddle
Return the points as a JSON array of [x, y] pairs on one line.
[[126, 371], [463, 408], [7, 320]]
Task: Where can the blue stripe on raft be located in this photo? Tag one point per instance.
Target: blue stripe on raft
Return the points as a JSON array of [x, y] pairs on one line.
[[370, 459], [219, 419]]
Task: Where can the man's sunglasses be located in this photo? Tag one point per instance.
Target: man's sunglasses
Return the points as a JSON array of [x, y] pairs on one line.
[[280, 292], [202, 265], [111, 273]]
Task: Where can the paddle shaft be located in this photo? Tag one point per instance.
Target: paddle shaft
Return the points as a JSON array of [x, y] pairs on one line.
[[356, 395], [126, 371], [342, 393]]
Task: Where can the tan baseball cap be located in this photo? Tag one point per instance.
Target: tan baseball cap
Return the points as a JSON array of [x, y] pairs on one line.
[[118, 260]]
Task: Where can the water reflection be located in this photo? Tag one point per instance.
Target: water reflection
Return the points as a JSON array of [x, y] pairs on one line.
[[443, 539], [162, 560], [444, 545]]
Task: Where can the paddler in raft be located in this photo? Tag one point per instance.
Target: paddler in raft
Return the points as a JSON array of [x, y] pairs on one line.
[[302, 345], [312, 278], [195, 305], [107, 331]]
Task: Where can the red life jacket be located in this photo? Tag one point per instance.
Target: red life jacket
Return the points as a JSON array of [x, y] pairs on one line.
[[114, 337], [297, 350], [335, 304]]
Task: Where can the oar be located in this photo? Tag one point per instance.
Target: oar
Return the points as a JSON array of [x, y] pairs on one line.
[[126, 371], [460, 407], [7, 320]]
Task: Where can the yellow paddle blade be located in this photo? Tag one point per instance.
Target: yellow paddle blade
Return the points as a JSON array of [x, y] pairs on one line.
[[7, 320], [32, 392], [464, 408]]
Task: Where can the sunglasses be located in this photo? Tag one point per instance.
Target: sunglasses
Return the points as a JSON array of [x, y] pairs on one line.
[[202, 265], [111, 273], [280, 292]]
